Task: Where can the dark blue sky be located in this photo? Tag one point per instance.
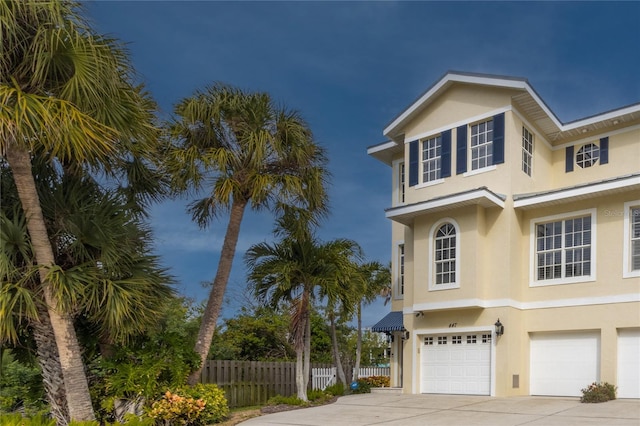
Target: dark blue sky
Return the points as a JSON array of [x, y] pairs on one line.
[[350, 68]]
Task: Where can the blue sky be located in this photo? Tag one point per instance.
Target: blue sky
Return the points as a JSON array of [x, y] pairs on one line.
[[350, 68]]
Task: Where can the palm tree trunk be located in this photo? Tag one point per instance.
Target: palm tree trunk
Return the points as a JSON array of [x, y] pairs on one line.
[[301, 386], [336, 349], [214, 304], [307, 355], [49, 361], [75, 379], [358, 343]]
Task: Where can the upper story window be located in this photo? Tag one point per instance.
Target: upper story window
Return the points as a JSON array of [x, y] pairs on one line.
[[445, 256], [588, 155], [482, 145], [432, 159], [401, 178], [631, 252], [527, 151], [564, 249], [400, 271]]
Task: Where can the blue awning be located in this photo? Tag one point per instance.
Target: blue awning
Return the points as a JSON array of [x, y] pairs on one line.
[[391, 322]]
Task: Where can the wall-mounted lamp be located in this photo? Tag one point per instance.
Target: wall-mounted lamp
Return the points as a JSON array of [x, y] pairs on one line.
[[499, 328], [419, 314], [405, 335]]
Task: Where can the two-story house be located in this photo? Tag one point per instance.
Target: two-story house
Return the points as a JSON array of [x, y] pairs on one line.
[[515, 241]]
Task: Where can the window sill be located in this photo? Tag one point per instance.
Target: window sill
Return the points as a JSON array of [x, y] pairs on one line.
[[479, 171], [439, 287], [631, 274], [562, 281], [431, 183]]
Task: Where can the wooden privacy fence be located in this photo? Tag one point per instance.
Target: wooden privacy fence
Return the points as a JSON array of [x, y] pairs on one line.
[[251, 382]]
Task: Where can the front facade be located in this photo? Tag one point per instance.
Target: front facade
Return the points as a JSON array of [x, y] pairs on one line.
[[504, 216]]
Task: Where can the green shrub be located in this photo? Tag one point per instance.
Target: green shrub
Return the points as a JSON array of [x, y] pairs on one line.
[[363, 386], [20, 385], [16, 419], [285, 400], [198, 405], [598, 392], [335, 390], [216, 406]]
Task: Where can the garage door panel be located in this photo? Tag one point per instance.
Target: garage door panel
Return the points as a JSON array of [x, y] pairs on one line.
[[629, 363], [456, 365], [563, 363]]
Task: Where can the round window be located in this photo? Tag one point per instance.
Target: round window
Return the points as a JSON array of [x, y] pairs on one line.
[[588, 155]]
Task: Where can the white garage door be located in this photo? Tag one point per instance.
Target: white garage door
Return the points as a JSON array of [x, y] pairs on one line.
[[456, 364], [629, 363], [564, 363]]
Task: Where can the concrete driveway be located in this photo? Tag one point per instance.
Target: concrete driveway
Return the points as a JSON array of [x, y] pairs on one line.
[[406, 410]]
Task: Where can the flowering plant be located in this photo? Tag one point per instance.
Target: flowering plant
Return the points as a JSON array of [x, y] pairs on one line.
[[598, 392]]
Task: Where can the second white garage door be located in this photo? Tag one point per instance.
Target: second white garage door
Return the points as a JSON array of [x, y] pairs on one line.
[[456, 364], [629, 363], [564, 363]]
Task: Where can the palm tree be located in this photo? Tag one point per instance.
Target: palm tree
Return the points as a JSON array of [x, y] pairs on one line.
[[288, 274], [103, 270], [374, 281], [65, 94], [340, 289], [251, 153]]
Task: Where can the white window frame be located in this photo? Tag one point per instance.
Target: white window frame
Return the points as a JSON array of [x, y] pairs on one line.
[[584, 155], [488, 144], [431, 163], [400, 182], [626, 256], [533, 266], [528, 141], [400, 271], [432, 270]]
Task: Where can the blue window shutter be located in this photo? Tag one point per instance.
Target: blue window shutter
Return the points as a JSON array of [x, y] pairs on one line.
[[445, 160], [498, 139], [461, 150], [604, 150], [413, 163], [569, 159]]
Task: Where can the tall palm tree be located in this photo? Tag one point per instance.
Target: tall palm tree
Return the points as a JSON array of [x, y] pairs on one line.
[[66, 94], [103, 269], [241, 150], [374, 281]]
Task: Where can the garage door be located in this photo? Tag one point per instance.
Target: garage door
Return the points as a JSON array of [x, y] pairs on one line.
[[629, 363], [564, 363], [456, 364]]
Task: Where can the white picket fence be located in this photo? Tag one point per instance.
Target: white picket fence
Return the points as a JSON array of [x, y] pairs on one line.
[[323, 377]]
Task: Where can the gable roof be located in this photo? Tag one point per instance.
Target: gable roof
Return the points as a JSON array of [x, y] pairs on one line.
[[528, 101]]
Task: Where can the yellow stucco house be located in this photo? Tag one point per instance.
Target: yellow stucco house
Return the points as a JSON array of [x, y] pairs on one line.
[[515, 241]]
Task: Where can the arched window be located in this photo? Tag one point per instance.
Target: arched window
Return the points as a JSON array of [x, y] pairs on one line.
[[445, 253]]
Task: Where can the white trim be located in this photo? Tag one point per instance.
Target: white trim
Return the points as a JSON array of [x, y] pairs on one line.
[[533, 281], [535, 132], [523, 306], [592, 138], [480, 171], [446, 201], [430, 183], [417, 383], [432, 286], [456, 124], [626, 248], [381, 147], [576, 192], [506, 83]]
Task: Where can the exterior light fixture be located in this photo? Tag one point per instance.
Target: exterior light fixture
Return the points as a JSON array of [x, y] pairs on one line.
[[499, 328], [405, 335]]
